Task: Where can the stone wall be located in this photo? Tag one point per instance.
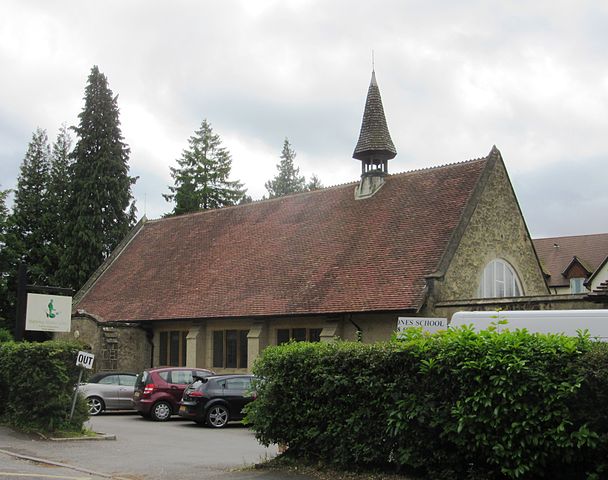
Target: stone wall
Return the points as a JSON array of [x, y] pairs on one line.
[[117, 347], [496, 230]]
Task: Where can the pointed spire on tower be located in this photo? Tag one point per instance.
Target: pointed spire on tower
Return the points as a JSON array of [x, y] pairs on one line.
[[375, 145]]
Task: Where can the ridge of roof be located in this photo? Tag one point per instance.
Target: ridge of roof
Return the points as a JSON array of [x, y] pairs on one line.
[[571, 236], [312, 192]]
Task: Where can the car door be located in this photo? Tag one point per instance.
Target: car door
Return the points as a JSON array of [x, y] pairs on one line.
[[180, 379], [125, 390], [108, 389], [237, 394]]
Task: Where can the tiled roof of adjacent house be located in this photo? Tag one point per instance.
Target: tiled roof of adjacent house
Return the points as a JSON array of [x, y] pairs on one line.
[[374, 137], [311, 253], [557, 253]]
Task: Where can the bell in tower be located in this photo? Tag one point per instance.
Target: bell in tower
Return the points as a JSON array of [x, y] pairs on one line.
[[375, 147]]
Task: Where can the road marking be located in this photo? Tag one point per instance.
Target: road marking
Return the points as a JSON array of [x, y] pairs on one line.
[[36, 475], [64, 465]]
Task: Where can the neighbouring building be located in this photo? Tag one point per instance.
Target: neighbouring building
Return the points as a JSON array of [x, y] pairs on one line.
[[214, 288], [574, 264]]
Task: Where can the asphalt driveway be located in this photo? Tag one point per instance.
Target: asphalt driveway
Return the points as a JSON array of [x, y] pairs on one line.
[[143, 450]]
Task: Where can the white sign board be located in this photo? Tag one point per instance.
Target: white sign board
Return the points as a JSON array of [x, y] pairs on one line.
[[48, 313], [85, 359], [428, 324]]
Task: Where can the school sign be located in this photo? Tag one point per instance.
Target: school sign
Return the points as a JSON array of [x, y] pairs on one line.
[[48, 313]]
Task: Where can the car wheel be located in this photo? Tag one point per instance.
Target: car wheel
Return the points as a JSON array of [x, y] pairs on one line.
[[161, 412], [96, 405], [217, 416]]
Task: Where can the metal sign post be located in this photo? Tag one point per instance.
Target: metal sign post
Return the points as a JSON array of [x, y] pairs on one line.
[[83, 360]]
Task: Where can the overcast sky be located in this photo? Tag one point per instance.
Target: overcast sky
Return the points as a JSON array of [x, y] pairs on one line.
[[455, 78]]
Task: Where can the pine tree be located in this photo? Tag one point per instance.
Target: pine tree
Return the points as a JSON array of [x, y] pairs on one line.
[[201, 179], [288, 179], [58, 199], [314, 183], [101, 207], [6, 297], [28, 238]]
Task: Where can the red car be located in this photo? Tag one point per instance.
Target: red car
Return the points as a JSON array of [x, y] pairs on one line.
[[158, 391]]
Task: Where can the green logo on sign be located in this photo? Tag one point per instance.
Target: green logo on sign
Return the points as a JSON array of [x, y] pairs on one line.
[[52, 313]]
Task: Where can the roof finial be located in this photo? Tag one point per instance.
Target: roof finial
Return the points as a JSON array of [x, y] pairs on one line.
[[373, 63]]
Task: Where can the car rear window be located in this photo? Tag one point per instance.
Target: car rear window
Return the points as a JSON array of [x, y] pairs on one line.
[[142, 379]]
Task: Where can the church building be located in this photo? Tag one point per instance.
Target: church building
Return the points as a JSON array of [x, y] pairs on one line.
[[213, 289]]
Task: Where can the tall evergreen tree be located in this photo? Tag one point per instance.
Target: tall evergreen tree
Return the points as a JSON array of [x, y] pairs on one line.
[[28, 237], [101, 207], [288, 179], [58, 199], [201, 179], [6, 297]]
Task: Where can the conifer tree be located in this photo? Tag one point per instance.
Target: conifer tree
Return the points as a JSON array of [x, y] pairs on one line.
[[201, 180], [28, 237], [101, 207], [58, 199], [288, 179], [6, 297]]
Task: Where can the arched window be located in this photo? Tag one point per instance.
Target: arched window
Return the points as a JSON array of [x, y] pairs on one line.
[[499, 280]]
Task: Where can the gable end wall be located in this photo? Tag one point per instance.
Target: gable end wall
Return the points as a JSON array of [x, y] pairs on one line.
[[496, 230]]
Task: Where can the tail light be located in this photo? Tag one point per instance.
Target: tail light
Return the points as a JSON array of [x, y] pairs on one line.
[[196, 394], [149, 389]]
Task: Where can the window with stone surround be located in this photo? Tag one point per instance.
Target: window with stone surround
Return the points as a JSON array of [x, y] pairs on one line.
[[172, 348], [230, 348], [284, 335], [499, 280]]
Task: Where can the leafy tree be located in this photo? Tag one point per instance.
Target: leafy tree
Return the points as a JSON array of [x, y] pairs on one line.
[[314, 183], [28, 237], [288, 179], [58, 198], [201, 179], [101, 207]]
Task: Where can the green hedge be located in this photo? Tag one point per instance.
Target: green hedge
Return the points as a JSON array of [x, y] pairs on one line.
[[37, 385], [458, 404]]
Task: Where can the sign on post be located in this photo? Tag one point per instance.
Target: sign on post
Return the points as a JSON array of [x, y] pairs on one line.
[[85, 359], [428, 324], [48, 313]]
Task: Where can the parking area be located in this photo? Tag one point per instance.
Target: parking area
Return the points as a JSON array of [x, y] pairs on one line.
[[147, 450]]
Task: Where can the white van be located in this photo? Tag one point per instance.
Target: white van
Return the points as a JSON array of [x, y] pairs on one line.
[[539, 321]]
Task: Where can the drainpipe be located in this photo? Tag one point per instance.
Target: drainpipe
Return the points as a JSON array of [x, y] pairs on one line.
[[150, 338], [359, 331]]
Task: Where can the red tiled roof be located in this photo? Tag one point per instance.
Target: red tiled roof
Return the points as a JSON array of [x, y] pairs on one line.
[[557, 253], [316, 252]]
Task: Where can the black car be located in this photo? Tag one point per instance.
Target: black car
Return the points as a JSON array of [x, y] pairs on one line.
[[218, 399]]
